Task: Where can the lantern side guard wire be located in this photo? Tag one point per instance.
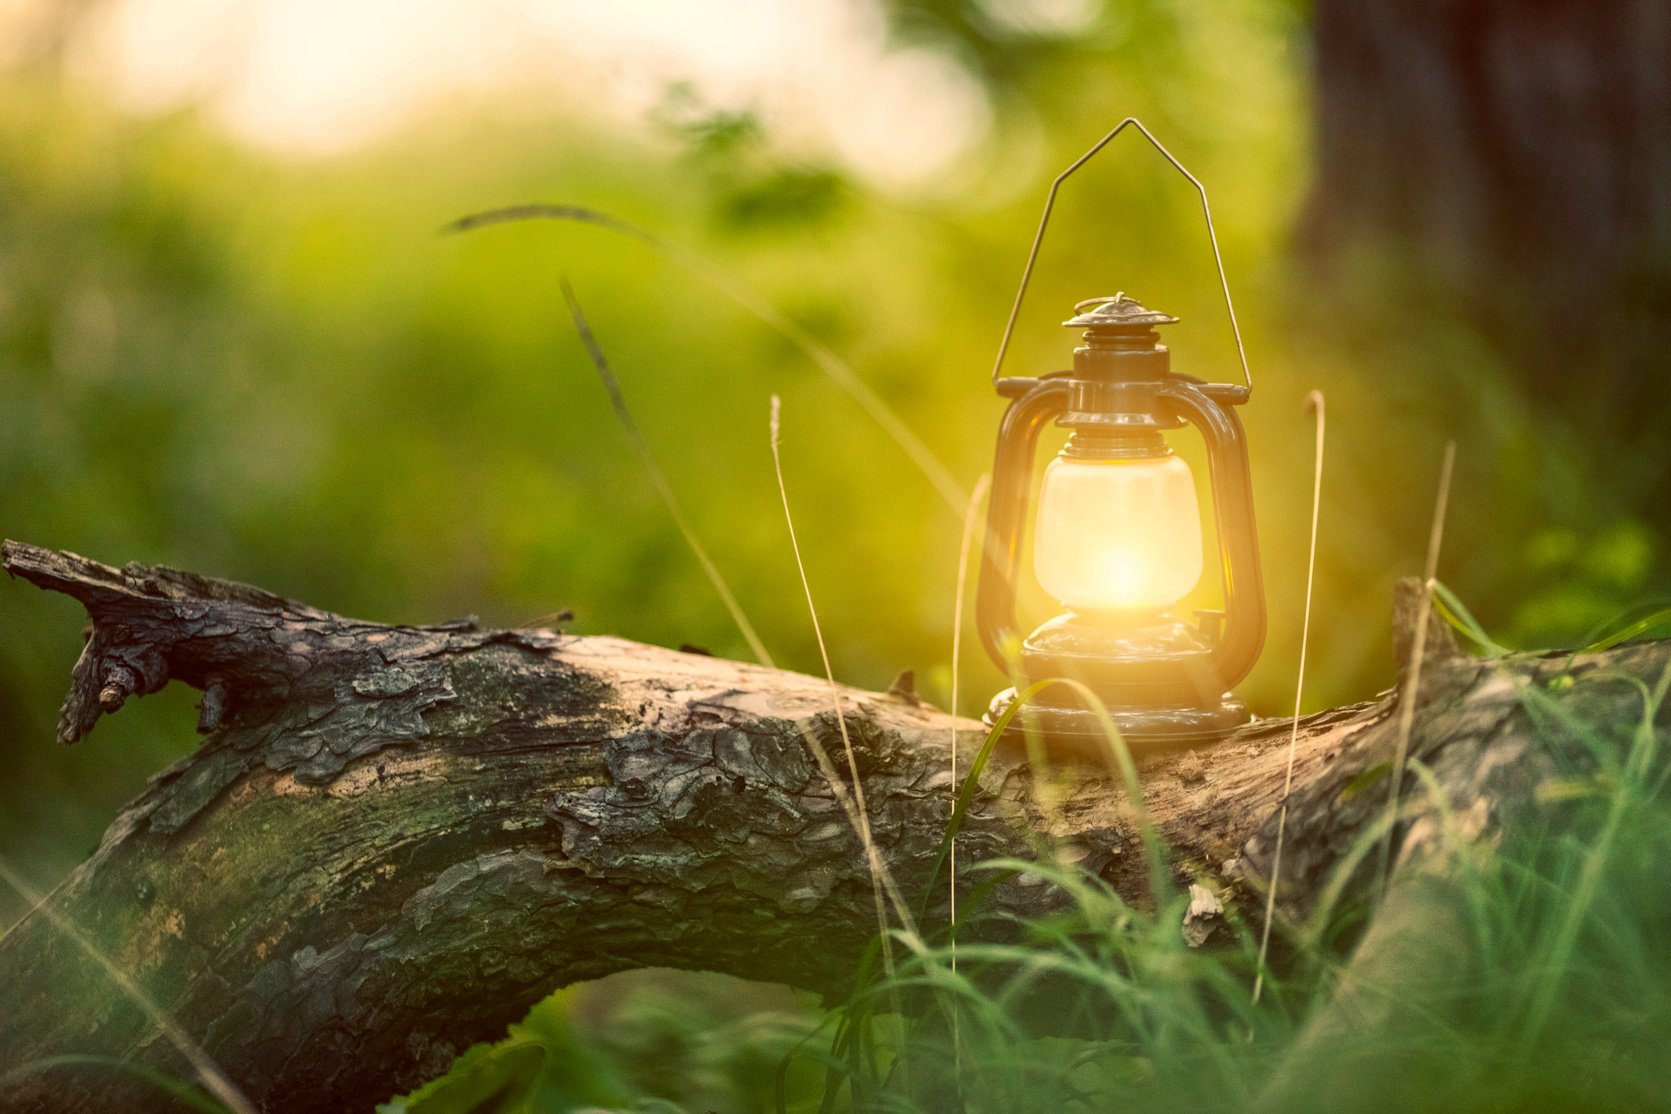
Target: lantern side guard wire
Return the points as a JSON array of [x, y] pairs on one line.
[[1232, 495], [1022, 383]]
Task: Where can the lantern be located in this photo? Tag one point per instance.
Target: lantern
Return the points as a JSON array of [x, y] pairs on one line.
[[1118, 537], [1118, 541]]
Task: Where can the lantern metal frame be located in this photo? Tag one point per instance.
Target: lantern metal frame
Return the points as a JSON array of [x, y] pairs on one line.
[[1163, 681]]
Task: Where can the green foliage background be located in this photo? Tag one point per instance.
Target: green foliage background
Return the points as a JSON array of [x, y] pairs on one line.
[[279, 371]]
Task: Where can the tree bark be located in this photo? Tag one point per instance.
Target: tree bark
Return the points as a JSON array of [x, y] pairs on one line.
[[394, 840]]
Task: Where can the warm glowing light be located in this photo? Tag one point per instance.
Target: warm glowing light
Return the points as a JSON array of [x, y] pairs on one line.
[[1118, 535], [319, 77]]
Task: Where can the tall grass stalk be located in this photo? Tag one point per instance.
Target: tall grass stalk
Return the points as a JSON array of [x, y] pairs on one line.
[[827, 361], [659, 479], [1418, 651], [971, 516], [853, 802], [214, 1080], [1315, 401], [180, 1092]]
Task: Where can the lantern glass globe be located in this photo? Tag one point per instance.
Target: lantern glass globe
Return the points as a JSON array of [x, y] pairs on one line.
[[1118, 535]]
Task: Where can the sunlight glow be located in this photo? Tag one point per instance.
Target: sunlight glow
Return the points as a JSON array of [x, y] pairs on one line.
[[317, 77], [1123, 577], [1040, 18], [1118, 535]]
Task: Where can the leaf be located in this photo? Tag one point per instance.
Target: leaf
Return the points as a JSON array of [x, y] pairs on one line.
[[486, 1079], [1454, 612], [1557, 790], [1365, 779], [1635, 630]]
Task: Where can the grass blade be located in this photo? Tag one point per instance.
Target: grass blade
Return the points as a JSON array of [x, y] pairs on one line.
[[1315, 401], [854, 802], [827, 361], [659, 478], [970, 515], [1451, 609], [215, 1081], [1412, 682], [1634, 630], [180, 1092], [971, 784]]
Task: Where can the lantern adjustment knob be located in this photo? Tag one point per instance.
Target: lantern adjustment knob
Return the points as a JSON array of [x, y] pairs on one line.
[[1119, 346], [1120, 311]]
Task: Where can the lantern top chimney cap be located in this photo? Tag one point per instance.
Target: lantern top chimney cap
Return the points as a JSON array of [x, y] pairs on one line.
[[1116, 312]]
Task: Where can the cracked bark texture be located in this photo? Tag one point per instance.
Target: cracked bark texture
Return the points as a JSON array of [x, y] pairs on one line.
[[394, 840]]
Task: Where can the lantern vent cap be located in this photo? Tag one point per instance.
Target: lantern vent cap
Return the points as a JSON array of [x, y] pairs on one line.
[[1120, 311]]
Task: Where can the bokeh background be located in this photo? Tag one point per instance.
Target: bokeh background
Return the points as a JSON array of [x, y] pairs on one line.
[[234, 339]]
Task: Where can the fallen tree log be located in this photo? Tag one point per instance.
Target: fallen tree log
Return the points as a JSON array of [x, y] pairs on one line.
[[394, 840]]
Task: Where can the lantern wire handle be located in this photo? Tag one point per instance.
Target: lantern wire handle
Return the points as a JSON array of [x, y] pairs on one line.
[[1044, 221]]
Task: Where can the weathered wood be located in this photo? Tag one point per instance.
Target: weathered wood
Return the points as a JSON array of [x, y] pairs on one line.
[[396, 839]]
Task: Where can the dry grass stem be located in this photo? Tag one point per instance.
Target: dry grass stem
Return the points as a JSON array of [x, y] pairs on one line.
[[827, 361], [1315, 401], [852, 802], [971, 515], [659, 478], [1412, 679], [214, 1080]]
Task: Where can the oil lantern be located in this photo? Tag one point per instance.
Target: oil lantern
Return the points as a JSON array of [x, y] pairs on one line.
[[1117, 539]]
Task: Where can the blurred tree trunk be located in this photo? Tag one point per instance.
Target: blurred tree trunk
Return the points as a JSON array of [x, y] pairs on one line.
[[1516, 154]]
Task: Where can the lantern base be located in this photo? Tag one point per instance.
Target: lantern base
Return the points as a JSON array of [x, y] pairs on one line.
[[1073, 729]]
